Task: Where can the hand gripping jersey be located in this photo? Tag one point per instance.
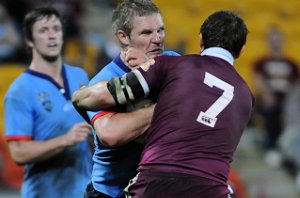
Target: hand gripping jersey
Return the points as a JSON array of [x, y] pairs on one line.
[[114, 167], [37, 108]]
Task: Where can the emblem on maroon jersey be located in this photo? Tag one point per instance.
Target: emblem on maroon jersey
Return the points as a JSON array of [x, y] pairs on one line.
[[145, 66]]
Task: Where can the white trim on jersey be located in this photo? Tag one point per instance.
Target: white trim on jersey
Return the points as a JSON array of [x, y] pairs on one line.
[[142, 81]]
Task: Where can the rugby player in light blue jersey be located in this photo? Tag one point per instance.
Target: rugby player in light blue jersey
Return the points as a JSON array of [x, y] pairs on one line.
[[139, 28], [43, 129]]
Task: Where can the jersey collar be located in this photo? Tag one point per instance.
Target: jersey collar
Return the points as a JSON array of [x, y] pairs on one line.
[[64, 90], [117, 60], [219, 53]]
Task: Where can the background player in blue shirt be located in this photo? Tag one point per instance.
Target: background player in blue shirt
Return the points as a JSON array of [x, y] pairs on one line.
[[43, 130], [203, 106], [140, 31]]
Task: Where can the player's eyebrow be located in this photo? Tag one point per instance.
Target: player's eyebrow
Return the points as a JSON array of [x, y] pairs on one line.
[[149, 31], [146, 31]]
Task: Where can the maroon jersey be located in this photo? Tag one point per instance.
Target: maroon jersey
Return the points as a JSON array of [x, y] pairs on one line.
[[279, 74], [203, 107]]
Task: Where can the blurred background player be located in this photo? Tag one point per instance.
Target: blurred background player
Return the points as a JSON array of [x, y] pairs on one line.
[[43, 130], [275, 75], [10, 39]]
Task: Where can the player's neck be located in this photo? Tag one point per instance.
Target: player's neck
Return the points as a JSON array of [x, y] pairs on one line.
[[51, 68]]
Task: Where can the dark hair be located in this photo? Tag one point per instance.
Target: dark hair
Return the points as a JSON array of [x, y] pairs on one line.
[[224, 29], [35, 15], [127, 10]]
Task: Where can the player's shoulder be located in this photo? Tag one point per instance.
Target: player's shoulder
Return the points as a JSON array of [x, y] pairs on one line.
[[171, 53], [176, 58], [106, 73], [22, 84], [23, 79], [108, 69], [76, 73], [72, 68]]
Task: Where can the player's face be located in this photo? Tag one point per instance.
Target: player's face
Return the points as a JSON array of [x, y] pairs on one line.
[[47, 37], [148, 34]]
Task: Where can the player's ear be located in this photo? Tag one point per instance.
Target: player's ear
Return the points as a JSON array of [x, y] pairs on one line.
[[201, 42], [29, 43], [241, 51], [122, 37]]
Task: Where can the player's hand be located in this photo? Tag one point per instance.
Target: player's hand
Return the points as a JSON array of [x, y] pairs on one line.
[[133, 58], [78, 133]]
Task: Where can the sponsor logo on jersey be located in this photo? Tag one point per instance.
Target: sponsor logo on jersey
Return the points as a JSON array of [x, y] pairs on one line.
[[45, 101], [206, 119]]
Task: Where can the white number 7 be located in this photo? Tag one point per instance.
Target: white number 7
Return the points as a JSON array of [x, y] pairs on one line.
[[209, 117]]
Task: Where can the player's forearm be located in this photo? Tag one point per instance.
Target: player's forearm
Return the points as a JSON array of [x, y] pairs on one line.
[[93, 97], [36, 151], [121, 128]]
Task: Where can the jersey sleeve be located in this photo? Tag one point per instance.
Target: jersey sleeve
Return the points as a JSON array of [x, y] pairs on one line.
[[152, 79], [85, 77], [18, 117]]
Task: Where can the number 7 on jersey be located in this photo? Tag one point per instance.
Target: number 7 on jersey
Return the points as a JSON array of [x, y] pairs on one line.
[[209, 117]]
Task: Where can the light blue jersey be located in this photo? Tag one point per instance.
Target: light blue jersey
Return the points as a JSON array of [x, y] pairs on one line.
[[114, 167], [37, 108]]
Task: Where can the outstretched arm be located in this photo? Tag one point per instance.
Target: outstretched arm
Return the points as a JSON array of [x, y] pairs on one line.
[[103, 94], [93, 97], [120, 90]]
